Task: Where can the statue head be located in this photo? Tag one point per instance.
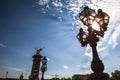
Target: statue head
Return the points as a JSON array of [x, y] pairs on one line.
[[39, 50]]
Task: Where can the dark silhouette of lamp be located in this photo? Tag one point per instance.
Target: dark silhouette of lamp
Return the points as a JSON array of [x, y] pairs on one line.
[[44, 66], [96, 24]]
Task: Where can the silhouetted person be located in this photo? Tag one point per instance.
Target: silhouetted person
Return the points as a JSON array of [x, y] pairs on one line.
[[21, 77]]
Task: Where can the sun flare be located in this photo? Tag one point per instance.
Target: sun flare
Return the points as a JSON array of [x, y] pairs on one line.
[[95, 26]]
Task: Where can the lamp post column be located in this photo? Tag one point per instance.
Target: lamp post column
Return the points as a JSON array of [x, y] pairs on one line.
[[42, 76], [44, 67]]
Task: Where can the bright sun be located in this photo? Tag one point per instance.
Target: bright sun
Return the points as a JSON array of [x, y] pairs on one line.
[[95, 26]]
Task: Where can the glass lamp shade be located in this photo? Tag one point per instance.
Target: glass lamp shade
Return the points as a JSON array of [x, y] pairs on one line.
[[44, 60]]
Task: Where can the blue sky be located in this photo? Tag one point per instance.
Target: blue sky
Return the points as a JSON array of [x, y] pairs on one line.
[[26, 25]]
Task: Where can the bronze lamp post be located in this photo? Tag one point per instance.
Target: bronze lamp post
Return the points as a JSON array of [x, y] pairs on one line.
[[96, 24], [44, 66]]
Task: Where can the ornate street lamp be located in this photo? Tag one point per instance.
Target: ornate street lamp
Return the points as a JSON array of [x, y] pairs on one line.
[[6, 74], [44, 67], [96, 24]]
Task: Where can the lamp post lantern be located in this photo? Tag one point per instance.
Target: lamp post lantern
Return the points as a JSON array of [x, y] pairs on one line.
[[96, 24], [44, 66]]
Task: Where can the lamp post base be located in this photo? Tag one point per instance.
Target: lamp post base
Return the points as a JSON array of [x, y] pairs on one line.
[[99, 76], [97, 67]]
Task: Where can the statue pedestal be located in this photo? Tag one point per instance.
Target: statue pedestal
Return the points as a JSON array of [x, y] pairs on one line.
[[99, 76]]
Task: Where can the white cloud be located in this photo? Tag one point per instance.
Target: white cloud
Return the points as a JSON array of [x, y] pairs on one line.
[[52, 61], [48, 59], [88, 52], [82, 68], [57, 3], [47, 76], [78, 65], [2, 45], [43, 2], [65, 67], [101, 49], [114, 36]]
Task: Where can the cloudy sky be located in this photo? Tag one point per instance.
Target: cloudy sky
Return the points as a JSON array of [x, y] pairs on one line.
[[26, 25]]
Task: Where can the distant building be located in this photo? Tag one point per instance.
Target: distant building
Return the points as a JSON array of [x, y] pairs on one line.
[[36, 65]]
